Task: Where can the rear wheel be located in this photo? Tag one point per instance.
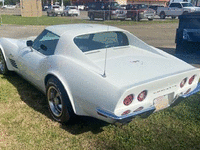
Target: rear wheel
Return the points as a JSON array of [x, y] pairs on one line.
[[162, 15], [173, 17], [150, 19], [3, 67], [137, 18], [58, 101], [92, 17]]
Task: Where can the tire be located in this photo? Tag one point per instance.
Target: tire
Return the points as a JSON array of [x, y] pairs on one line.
[[58, 101], [137, 18], [150, 19], [162, 15], [3, 66], [133, 18], [108, 17], [92, 17], [173, 17]]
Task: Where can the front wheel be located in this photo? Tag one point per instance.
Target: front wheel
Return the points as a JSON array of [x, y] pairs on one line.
[[58, 101], [150, 19], [173, 17], [91, 17], [162, 15], [3, 67]]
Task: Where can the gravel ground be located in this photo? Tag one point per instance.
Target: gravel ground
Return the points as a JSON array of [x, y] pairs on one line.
[[161, 36]]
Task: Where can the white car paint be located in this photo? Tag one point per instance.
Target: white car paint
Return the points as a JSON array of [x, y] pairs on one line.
[[128, 69]]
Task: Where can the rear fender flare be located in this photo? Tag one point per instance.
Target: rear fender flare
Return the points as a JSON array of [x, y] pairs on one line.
[[76, 108]]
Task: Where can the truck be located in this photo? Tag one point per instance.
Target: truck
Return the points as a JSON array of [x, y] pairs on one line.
[[106, 11], [176, 9]]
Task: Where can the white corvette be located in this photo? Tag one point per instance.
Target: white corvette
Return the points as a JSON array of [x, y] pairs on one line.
[[99, 71]]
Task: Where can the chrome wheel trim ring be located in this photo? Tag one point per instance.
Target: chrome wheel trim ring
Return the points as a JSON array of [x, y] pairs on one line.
[[2, 62], [55, 101]]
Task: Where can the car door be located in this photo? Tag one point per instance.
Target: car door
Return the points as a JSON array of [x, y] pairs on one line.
[[31, 59]]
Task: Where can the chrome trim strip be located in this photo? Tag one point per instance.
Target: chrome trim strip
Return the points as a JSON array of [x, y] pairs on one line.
[[125, 118], [197, 89]]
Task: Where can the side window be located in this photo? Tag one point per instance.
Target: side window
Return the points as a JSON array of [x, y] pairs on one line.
[[179, 6], [172, 5], [46, 42]]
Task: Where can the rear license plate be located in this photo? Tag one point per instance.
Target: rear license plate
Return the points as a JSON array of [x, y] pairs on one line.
[[161, 102]]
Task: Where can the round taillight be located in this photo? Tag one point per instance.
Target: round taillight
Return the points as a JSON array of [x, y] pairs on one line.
[[191, 79], [126, 112], [183, 82], [188, 91], [128, 100], [138, 109], [142, 95]]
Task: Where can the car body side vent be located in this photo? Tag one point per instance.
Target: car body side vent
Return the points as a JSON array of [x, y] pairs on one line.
[[13, 63]]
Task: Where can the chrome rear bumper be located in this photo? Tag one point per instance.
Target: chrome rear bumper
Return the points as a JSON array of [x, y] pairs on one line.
[[143, 113], [126, 118]]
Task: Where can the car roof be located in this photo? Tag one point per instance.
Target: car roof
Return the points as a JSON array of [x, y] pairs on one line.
[[79, 29]]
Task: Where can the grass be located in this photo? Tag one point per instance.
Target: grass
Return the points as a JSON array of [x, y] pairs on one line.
[[45, 20], [26, 124]]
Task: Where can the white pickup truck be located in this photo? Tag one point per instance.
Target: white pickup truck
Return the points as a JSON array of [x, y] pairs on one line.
[[175, 9]]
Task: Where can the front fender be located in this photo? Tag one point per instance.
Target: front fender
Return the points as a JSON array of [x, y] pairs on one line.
[[6, 46]]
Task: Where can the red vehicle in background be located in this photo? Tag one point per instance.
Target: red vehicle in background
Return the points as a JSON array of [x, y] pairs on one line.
[[140, 11]]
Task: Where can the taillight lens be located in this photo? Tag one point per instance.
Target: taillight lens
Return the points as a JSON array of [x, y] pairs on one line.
[[191, 79], [138, 109], [128, 100], [126, 112], [188, 91], [183, 82], [142, 95]]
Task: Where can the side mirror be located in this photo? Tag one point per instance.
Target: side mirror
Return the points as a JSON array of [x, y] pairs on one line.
[[29, 43]]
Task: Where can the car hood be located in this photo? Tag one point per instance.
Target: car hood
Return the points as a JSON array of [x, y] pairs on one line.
[[131, 65]]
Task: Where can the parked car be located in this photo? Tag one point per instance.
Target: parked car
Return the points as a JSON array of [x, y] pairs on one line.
[[188, 34], [176, 9], [106, 11], [81, 7], [55, 10], [8, 6], [71, 11], [155, 7], [99, 71], [140, 11], [45, 7]]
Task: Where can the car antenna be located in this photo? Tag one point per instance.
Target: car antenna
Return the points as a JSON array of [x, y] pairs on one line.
[[104, 74]]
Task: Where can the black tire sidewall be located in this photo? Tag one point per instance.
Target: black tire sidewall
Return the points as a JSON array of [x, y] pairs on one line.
[[5, 71], [67, 111]]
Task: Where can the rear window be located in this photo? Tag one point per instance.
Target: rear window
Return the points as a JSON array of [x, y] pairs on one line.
[[101, 40]]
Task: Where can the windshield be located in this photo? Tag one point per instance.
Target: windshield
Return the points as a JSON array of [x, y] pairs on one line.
[[101, 40], [187, 5]]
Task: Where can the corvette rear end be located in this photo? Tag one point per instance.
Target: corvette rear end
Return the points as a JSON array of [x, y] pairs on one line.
[[152, 96]]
